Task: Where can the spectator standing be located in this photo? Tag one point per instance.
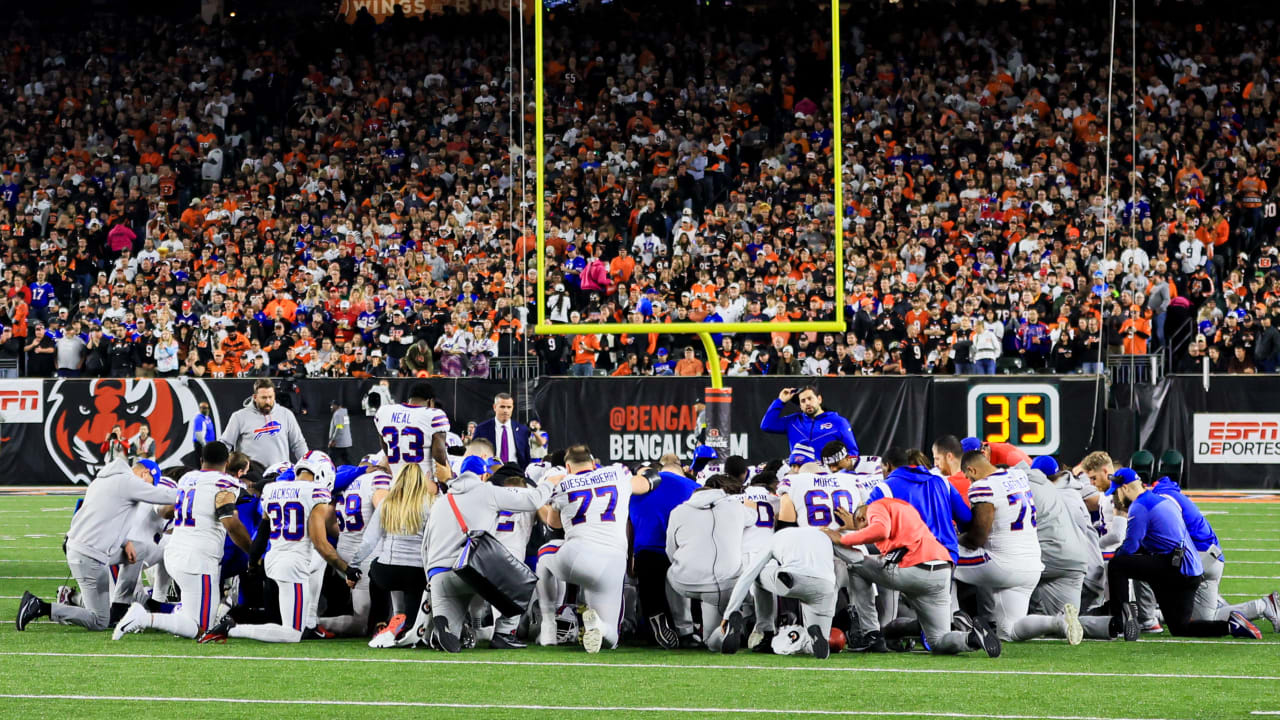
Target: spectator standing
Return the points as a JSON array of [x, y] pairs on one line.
[[339, 434], [70, 352]]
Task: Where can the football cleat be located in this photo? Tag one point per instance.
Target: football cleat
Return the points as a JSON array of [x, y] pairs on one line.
[[442, 638], [1131, 628], [507, 641], [387, 637], [66, 595], [219, 633], [1152, 627], [28, 610], [318, 632], [134, 621], [592, 634], [872, 642], [1271, 610], [764, 645], [821, 645], [663, 633], [1074, 630], [1240, 627], [691, 642], [732, 634]]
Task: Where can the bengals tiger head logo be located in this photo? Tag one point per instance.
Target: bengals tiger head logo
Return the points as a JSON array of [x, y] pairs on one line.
[[82, 415]]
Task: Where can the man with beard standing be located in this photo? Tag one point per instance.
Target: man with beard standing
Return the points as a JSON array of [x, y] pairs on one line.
[[809, 430], [263, 430]]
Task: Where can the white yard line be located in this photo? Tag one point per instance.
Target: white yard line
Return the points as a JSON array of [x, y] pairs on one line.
[[650, 666], [566, 708]]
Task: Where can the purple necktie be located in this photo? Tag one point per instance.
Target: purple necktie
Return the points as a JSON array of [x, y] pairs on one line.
[[504, 443]]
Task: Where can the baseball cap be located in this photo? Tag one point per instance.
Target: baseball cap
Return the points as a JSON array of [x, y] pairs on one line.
[[1045, 464], [1123, 476], [705, 451], [479, 465], [153, 468], [970, 444]]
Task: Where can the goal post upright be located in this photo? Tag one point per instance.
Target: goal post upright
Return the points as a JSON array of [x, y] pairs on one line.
[[703, 330]]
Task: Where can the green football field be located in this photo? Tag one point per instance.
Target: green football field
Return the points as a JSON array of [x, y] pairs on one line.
[[64, 672]]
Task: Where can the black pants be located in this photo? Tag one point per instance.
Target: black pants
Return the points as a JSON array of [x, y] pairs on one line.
[[407, 580], [1175, 592], [651, 582], [340, 455]]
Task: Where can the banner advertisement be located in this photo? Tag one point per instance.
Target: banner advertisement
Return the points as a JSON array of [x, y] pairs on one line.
[[1204, 423], [1237, 438], [59, 431], [21, 401]]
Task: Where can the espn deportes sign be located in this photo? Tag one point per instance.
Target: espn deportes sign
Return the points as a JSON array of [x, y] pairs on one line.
[[1237, 438], [21, 401]]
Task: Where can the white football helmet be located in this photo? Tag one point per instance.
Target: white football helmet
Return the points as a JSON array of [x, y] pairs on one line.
[[792, 640], [276, 471], [320, 467]]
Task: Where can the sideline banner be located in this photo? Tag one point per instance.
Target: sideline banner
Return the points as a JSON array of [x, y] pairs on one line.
[[57, 435], [1236, 438]]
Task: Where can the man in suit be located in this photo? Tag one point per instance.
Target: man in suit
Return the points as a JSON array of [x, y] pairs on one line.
[[510, 438]]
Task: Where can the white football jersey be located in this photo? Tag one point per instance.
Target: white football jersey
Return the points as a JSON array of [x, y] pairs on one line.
[[815, 495], [356, 510], [196, 543], [288, 506], [1013, 539], [513, 530], [594, 506], [756, 538], [407, 431], [864, 481]]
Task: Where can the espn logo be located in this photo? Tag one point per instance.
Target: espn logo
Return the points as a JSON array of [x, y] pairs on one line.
[[1244, 430], [21, 401], [1237, 438]]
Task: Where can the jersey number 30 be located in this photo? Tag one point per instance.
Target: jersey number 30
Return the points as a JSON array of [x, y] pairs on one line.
[[286, 521]]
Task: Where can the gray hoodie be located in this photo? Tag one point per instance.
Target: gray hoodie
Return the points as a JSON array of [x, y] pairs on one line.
[[1062, 546], [101, 525], [704, 540], [269, 438], [479, 503]]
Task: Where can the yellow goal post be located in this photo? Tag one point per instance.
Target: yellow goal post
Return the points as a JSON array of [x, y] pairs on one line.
[[702, 329]]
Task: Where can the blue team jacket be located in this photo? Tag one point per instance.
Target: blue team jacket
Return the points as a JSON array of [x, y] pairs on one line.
[[651, 511], [1197, 527], [937, 501], [1155, 526], [810, 432]]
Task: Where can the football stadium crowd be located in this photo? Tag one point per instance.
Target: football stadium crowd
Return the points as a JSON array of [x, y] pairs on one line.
[[293, 197]]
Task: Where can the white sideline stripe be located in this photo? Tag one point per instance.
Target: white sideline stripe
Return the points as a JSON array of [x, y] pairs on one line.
[[45, 562], [31, 577], [570, 708], [1269, 550], [648, 666], [1251, 577], [1265, 712], [1255, 562]]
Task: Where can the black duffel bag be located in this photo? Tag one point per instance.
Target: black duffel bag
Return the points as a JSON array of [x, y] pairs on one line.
[[492, 571]]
